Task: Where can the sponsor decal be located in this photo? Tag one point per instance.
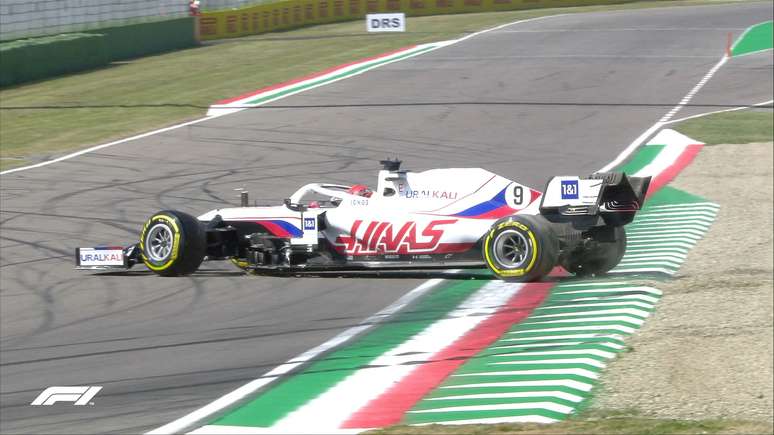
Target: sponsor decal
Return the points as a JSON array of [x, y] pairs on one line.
[[359, 202], [391, 238], [100, 257], [79, 396], [310, 223], [569, 189], [410, 193]]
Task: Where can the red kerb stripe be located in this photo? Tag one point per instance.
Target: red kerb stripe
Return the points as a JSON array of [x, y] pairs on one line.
[[668, 174], [389, 408]]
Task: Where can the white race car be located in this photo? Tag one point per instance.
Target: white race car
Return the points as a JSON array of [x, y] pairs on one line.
[[440, 218]]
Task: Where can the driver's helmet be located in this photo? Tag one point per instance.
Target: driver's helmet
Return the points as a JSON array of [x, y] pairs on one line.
[[360, 190]]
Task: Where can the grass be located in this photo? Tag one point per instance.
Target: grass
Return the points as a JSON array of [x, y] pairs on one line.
[[112, 103], [740, 127]]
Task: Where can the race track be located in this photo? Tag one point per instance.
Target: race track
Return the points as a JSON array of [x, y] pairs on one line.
[[561, 95]]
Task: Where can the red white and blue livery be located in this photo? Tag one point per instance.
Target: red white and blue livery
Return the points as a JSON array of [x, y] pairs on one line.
[[439, 218]]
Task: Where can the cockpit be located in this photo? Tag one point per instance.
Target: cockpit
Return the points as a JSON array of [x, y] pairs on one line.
[[324, 195]]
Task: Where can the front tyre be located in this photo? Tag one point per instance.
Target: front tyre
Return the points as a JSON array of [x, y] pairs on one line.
[[173, 243], [520, 248]]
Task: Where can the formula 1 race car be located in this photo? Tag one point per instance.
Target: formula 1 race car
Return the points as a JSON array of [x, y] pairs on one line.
[[439, 218]]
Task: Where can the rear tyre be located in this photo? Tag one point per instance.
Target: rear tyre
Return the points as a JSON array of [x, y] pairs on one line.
[[598, 260], [173, 243], [520, 248]]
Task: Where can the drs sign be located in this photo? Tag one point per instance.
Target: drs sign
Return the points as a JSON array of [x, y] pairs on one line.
[[386, 22]]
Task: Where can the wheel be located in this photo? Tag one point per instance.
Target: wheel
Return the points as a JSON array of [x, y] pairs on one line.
[[173, 243], [521, 248], [597, 260]]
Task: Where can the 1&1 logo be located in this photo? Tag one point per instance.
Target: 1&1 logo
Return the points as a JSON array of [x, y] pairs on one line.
[[569, 189]]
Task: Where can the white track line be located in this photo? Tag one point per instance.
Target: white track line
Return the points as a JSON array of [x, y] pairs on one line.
[[582, 386], [674, 121], [563, 409], [664, 119], [253, 386], [584, 334], [109, 144], [543, 362], [558, 394], [632, 147], [570, 329], [689, 96], [550, 372]]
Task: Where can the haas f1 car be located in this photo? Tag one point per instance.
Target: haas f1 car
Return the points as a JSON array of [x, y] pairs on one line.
[[439, 218]]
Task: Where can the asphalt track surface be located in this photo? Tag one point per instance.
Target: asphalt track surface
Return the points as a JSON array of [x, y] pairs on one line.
[[164, 347]]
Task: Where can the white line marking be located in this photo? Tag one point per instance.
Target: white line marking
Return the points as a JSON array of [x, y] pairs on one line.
[[586, 361], [644, 269], [650, 290], [709, 213], [582, 386], [700, 115], [668, 225], [629, 319], [640, 263], [632, 147], [562, 409], [631, 311], [635, 245], [621, 328], [653, 251], [689, 96], [677, 220], [648, 299], [595, 352], [681, 237], [577, 372], [109, 144], [253, 386], [601, 304], [689, 205], [562, 337], [606, 284], [662, 233], [752, 53], [664, 119], [609, 344], [558, 394], [673, 256]]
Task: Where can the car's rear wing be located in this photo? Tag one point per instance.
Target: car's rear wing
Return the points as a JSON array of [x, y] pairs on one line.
[[612, 196]]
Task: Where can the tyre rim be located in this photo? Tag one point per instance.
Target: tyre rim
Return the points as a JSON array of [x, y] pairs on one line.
[[510, 249], [159, 242]]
